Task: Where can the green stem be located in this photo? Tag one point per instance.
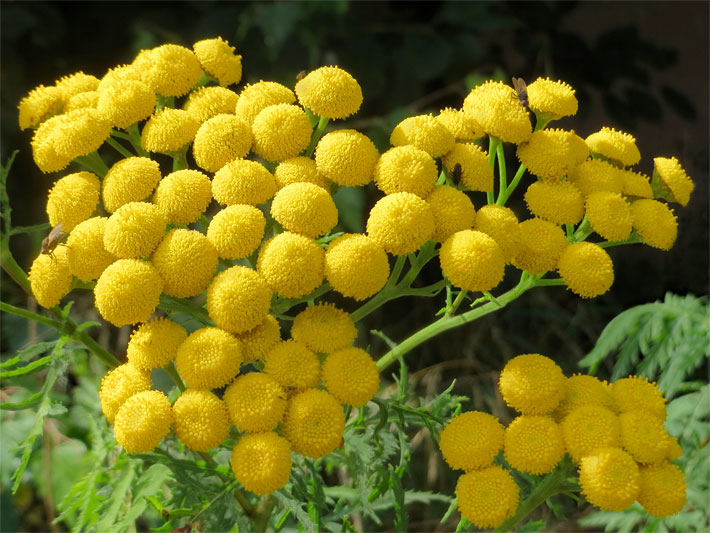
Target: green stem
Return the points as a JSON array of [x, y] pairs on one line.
[[173, 373], [181, 305], [94, 163], [502, 175], [633, 239], [503, 198], [180, 159], [493, 143], [117, 146], [263, 513], [459, 298], [396, 271], [29, 315], [9, 265], [280, 306], [584, 230], [135, 139], [320, 128]]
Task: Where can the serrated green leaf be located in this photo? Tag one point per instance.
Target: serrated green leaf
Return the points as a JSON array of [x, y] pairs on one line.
[[28, 368], [27, 402], [295, 507], [121, 488]]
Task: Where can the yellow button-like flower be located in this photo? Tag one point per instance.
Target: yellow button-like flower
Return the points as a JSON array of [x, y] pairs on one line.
[[580, 150], [258, 96], [643, 436], [462, 126], [596, 175], [346, 157], [299, 170], [171, 70], [471, 440], [406, 169], [636, 393], [168, 130], [220, 140], [534, 444], [542, 245], [236, 231], [329, 92], [200, 420], [120, 384], [487, 497], [39, 104], [183, 196], [129, 180], [582, 389], [155, 343], [547, 154], [281, 131], [588, 428], [143, 421], [356, 266], [258, 341], [238, 299], [655, 223], [500, 223], [663, 489], [401, 223], [424, 132], [615, 145], [261, 462], [256, 402], [476, 172], [610, 479], [314, 423], [559, 202], [208, 102], [324, 328], [73, 199], [305, 208], [88, 257], [669, 174], [243, 182], [673, 451], [118, 73], [50, 277], [293, 366], [472, 260], [351, 376], [532, 384], [636, 185], [127, 292], [219, 60], [82, 100], [452, 210], [82, 132], [134, 230], [494, 106], [609, 215], [586, 269], [553, 98], [209, 358], [187, 262], [291, 264], [126, 102], [44, 152], [76, 83]]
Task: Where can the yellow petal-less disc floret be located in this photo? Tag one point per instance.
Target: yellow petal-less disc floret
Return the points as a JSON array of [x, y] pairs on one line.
[[406, 169], [542, 245], [305, 208], [238, 299], [588, 428], [610, 479], [82, 132], [329, 92], [547, 154], [500, 223], [143, 421], [85, 249], [471, 260], [586, 269], [183, 196], [532, 384], [50, 277], [171, 70], [487, 497], [243, 182], [258, 96], [187, 262], [261, 462], [236, 231], [127, 292], [452, 210], [401, 223], [471, 440], [256, 402], [675, 183], [424, 132], [155, 343], [356, 266], [637, 393], [200, 420], [351, 376], [209, 358], [553, 98], [39, 104], [44, 152], [346, 157], [580, 150], [118, 73], [559, 202], [82, 100], [494, 106], [281, 131], [636, 185], [582, 389], [663, 489], [298, 170], [134, 230], [120, 384], [126, 102], [219, 60], [132, 179], [258, 341], [168, 130], [73, 199], [293, 366], [534, 444], [476, 172], [609, 215], [220, 140], [76, 83], [291, 264], [208, 102], [655, 223], [314, 423], [596, 175], [462, 126], [324, 328], [643, 436], [614, 145]]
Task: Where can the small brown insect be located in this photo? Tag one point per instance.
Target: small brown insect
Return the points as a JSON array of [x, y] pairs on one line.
[[521, 92], [301, 75], [456, 173], [51, 241]]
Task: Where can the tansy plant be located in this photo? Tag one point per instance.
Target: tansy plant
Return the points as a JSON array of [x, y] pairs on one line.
[[225, 269]]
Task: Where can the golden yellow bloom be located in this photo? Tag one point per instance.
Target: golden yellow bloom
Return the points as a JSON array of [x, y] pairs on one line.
[[256, 402], [168, 130], [547, 154], [476, 173], [471, 440], [299, 170], [261, 462], [472, 260], [183, 196], [129, 180], [356, 266], [120, 384], [281, 131], [502, 225], [542, 245], [219, 60], [134, 230], [82, 132], [609, 215], [534, 444], [261, 95], [655, 223], [236, 231], [461, 126], [155, 343], [636, 185], [329, 92], [243, 182], [351, 376], [85, 249], [553, 98], [220, 140], [588, 428], [258, 341], [324, 328], [401, 223], [314, 423], [532, 384], [596, 175], [127, 292], [424, 132], [487, 497], [673, 451], [238, 299], [452, 210], [610, 479], [209, 358], [39, 104], [346, 157], [580, 150], [73, 199], [406, 169], [643, 436], [586, 269], [116, 74], [663, 489], [44, 140], [671, 178], [305, 208], [582, 389], [50, 277], [636, 393], [200, 420], [126, 102], [614, 145], [186, 261], [76, 83], [82, 100], [559, 202], [293, 366], [142, 421], [494, 106], [171, 70], [291, 264], [207, 102]]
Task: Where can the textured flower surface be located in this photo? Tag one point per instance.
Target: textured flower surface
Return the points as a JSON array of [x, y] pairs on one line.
[[586, 269], [643, 436], [500, 223], [183, 196], [243, 182], [168, 130], [256, 402], [314, 423], [220, 140], [401, 223], [424, 132], [555, 98], [50, 277], [674, 179], [132, 179], [281, 131], [453, 211], [200, 420], [39, 104], [120, 384], [638, 393], [298, 170], [559, 202], [170, 69], [487, 497], [142, 421], [494, 106], [589, 427], [86, 253], [134, 230], [351, 376], [258, 96], [186, 261], [462, 126], [532, 384], [609, 215], [406, 169], [238, 299], [346, 157], [236, 231], [610, 479], [305, 208], [155, 343], [582, 389], [127, 292], [293, 366], [663, 489], [472, 260], [655, 223], [73, 199], [356, 266], [534, 444], [291, 264], [330, 92], [542, 245], [261, 462], [324, 328], [476, 172], [126, 102], [208, 102], [471, 440], [209, 358], [547, 154], [258, 341], [219, 60], [614, 145]]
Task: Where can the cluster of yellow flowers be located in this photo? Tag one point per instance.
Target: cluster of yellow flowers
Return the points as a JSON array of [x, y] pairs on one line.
[[613, 432]]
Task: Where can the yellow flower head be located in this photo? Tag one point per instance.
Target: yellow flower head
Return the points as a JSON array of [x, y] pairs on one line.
[[635, 393], [548, 154], [494, 106], [351, 376], [534, 444], [209, 358], [461, 126], [305, 208], [596, 175], [329, 92], [219, 60], [299, 170], [44, 146], [73, 199], [401, 223], [588, 428], [134, 230], [281, 131], [187, 262], [261, 462], [314, 423], [85, 249], [155, 343], [183, 196], [356, 266], [170, 69], [502, 225], [472, 260], [615, 145], [346, 157], [406, 169], [487, 497], [258, 341], [452, 210], [471, 440], [324, 328], [424, 132], [261, 95], [291, 264], [39, 104], [168, 130], [119, 73], [127, 292], [476, 173], [208, 102], [580, 150], [236, 231], [609, 215], [293, 366], [582, 389], [553, 98], [644, 437], [120, 384], [610, 479], [663, 489], [82, 132], [143, 421], [82, 100], [673, 450], [243, 182], [256, 402], [670, 177], [559, 202], [655, 223], [532, 384], [238, 299], [126, 102], [200, 420], [50, 277], [542, 245], [129, 180], [75, 84], [219, 140], [636, 185], [586, 269]]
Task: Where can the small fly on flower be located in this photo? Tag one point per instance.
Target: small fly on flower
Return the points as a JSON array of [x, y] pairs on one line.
[[456, 173], [300, 75], [51, 241], [521, 92]]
